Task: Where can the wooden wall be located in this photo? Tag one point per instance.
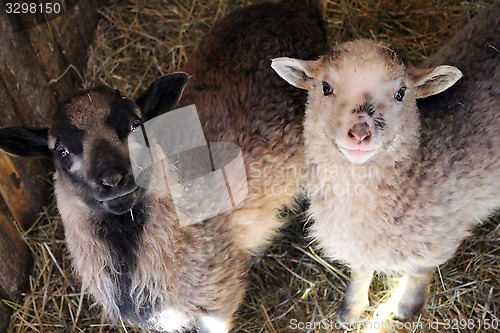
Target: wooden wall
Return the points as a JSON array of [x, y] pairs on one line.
[[33, 60]]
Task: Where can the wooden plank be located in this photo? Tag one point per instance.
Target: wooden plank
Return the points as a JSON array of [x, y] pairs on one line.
[[88, 19], [23, 77], [51, 61], [10, 114], [24, 185], [69, 40], [16, 264], [13, 188], [74, 31], [46, 42], [8, 227], [5, 313], [15, 258]]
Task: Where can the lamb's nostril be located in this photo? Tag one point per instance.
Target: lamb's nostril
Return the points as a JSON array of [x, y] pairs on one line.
[[111, 179], [360, 131]]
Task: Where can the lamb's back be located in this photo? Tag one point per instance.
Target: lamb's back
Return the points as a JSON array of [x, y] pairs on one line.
[[460, 144], [237, 94]]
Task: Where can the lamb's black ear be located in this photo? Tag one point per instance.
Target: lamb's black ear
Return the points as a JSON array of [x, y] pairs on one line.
[[163, 94], [25, 142]]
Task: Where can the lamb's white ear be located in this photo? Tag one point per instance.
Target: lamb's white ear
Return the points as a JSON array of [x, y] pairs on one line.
[[298, 73], [432, 81]]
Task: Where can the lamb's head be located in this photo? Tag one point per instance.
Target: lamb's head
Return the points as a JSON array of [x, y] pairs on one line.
[[88, 142], [362, 97]]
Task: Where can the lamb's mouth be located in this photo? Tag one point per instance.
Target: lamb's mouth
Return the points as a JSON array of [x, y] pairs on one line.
[[122, 203], [358, 155], [355, 155]]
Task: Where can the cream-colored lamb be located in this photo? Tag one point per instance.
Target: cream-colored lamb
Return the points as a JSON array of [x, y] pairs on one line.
[[392, 188]]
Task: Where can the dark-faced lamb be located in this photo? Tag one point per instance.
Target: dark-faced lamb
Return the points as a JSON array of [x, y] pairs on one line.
[[392, 188], [126, 242]]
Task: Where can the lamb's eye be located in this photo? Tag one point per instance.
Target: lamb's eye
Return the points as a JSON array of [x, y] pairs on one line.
[[63, 152], [327, 89], [135, 125], [400, 94]]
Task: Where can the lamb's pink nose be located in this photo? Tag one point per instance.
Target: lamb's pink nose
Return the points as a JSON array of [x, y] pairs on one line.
[[360, 131]]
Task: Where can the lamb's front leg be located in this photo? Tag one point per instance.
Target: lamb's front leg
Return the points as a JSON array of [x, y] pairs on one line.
[[411, 295], [355, 299]]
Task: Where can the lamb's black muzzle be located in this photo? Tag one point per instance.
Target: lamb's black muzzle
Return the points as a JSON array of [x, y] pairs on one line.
[[113, 183], [116, 191]]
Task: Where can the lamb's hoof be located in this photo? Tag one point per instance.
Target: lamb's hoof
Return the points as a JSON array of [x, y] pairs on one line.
[[348, 318], [408, 310]]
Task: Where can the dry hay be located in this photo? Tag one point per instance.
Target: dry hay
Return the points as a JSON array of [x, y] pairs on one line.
[[136, 42]]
